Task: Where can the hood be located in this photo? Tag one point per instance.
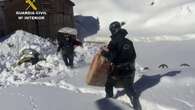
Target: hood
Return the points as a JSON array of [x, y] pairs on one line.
[[120, 34]]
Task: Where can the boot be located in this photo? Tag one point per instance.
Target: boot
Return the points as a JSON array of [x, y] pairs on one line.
[[136, 103], [109, 96]]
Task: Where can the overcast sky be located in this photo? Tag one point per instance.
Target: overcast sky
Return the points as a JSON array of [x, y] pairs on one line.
[[142, 17]]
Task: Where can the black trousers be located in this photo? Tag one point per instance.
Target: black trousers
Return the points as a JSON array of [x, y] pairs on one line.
[[68, 59], [127, 83]]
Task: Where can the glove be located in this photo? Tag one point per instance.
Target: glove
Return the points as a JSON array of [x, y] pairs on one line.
[[104, 48]]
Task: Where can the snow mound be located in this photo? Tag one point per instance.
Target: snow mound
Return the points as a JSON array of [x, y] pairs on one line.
[[21, 40], [53, 66], [9, 55]]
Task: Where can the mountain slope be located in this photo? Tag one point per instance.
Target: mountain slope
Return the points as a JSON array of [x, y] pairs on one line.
[[164, 18]]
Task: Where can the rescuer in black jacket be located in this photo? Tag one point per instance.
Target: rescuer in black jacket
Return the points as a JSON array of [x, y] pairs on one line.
[[122, 54], [67, 44]]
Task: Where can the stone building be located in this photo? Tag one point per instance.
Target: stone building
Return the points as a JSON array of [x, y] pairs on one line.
[[59, 14]]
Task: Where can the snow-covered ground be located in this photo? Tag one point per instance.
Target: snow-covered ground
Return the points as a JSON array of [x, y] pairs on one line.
[[163, 33], [50, 85], [54, 65]]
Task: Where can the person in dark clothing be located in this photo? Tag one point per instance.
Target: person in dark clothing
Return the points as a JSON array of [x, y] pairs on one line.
[[67, 44], [122, 54]]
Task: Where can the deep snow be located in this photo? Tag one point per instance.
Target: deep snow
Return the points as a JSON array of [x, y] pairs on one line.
[[162, 31], [50, 84]]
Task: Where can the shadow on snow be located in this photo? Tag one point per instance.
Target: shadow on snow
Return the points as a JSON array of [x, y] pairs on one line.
[[107, 104], [147, 82]]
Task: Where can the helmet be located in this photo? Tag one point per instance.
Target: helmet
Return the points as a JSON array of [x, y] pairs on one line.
[[114, 27]]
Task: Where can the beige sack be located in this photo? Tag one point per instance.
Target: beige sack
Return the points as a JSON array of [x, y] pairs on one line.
[[98, 71]]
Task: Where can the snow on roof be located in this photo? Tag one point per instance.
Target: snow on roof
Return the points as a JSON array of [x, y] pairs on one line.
[[68, 30]]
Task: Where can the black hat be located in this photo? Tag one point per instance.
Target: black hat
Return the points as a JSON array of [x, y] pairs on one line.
[[114, 27]]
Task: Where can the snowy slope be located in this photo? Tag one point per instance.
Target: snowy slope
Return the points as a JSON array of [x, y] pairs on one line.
[[171, 53], [50, 85], [9, 54], [53, 86], [165, 19], [29, 97], [45, 86], [172, 89]]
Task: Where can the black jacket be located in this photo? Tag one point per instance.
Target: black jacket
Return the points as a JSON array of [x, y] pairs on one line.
[[67, 46], [121, 50]]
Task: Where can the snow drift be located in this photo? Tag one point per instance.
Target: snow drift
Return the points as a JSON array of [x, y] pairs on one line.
[[168, 89], [54, 65]]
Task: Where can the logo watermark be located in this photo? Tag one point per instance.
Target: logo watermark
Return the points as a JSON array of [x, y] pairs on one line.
[[31, 5], [32, 11]]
